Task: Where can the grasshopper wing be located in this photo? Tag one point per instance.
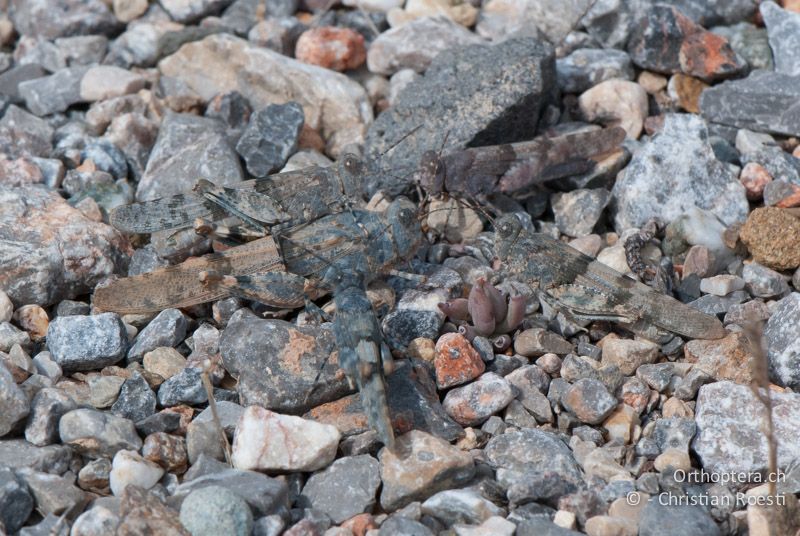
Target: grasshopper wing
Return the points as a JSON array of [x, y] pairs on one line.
[[174, 212]]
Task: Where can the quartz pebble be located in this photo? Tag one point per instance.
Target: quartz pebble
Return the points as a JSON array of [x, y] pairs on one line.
[[129, 468]]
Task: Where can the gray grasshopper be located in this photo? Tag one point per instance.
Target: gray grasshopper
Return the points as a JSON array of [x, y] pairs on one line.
[[589, 289]]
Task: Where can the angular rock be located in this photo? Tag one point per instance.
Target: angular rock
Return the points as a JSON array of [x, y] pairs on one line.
[[729, 428], [54, 93], [416, 44], [344, 489], [551, 19], [167, 450], [402, 326], [185, 11], [185, 387], [773, 238], [765, 101], [59, 18], [721, 285], [87, 342], [106, 81], [589, 400], [294, 444], [674, 173], [142, 512], [47, 408], [53, 494], [664, 519], [616, 102], [460, 506], [783, 28], [265, 77], [674, 434], [587, 67], [628, 354], [188, 148], [532, 452], [456, 361], [535, 342], [95, 433], [270, 138], [666, 41], [419, 466], [164, 361], [763, 282], [749, 42], [472, 404], [783, 341], [16, 503], [18, 453], [730, 358], [104, 390], [577, 212], [130, 469], [13, 401], [95, 521], [475, 95], [22, 133], [168, 328], [136, 400], [216, 510]]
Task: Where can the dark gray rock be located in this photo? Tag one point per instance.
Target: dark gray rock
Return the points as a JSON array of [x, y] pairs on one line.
[[11, 335], [663, 520], [712, 305], [145, 260], [96, 434], [750, 42], [186, 387], [402, 326], [47, 408], [270, 138], [763, 282], [542, 527], [54, 494], [587, 67], [23, 133], [136, 400], [765, 101], [18, 453], [657, 376], [87, 342], [163, 421], [166, 329], [54, 93], [674, 172], [106, 156], [188, 148], [577, 212], [344, 489], [610, 22], [233, 110], [277, 362], [49, 19], [783, 27], [16, 503], [783, 341], [216, 510], [674, 433], [10, 79], [476, 95], [403, 526], [13, 401], [535, 451]]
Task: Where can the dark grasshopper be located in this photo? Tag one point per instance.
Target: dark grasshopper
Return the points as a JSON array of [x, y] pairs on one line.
[[568, 279]]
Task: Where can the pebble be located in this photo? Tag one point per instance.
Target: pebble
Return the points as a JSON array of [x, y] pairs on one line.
[[46, 366], [128, 10], [94, 433], [473, 403], [340, 49], [295, 444], [782, 335], [721, 285], [773, 238], [168, 328], [464, 14], [663, 520], [495, 525], [164, 361], [586, 67], [104, 390], [610, 526], [106, 81], [456, 361], [453, 221], [685, 91], [168, 451], [186, 387], [53, 494], [15, 498], [730, 358], [95, 521], [136, 401], [418, 467], [460, 506], [129, 469], [620, 424], [47, 408], [783, 27], [754, 177], [763, 282], [216, 510], [501, 18], [577, 212], [270, 138], [345, 489], [6, 307], [628, 354], [13, 400], [616, 102], [143, 512], [589, 400], [535, 342]]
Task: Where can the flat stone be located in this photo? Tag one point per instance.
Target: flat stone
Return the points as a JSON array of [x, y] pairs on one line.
[[472, 404], [721, 285], [783, 28], [783, 341], [216, 510], [94, 433], [265, 77], [419, 466], [106, 81], [53, 494], [344, 489], [188, 148], [295, 444]]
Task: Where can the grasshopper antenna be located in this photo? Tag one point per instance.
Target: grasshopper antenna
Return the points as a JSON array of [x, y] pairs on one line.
[[212, 403]]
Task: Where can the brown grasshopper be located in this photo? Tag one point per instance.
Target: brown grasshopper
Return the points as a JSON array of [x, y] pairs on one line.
[[589, 289]]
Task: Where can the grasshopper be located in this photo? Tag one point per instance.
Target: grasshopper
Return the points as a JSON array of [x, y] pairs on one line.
[[589, 289]]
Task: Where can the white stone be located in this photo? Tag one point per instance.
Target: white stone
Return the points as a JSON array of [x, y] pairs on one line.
[[268, 441], [98, 521], [721, 285], [129, 467], [616, 102]]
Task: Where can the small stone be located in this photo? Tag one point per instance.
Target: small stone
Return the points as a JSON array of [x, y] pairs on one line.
[[340, 49], [495, 525], [578, 211], [142, 512], [95, 521], [745, 313], [551, 21], [294, 444], [419, 466], [17, 503], [47, 408], [550, 363], [94, 433], [453, 221], [46, 366], [422, 348], [685, 91], [270, 137], [6, 307], [460, 506], [782, 335], [136, 400], [87, 342], [106, 81], [345, 489], [216, 510], [164, 361], [185, 387], [535, 342], [463, 14], [589, 400], [186, 11], [587, 67], [128, 468], [659, 519], [783, 27], [166, 329], [619, 425], [730, 358], [94, 476], [104, 390], [472, 404], [13, 401], [456, 361], [673, 460], [128, 10], [54, 93], [402, 326], [754, 177], [763, 282], [628, 354], [675, 407], [610, 526], [53, 494], [616, 102], [636, 394], [657, 376], [721, 285]]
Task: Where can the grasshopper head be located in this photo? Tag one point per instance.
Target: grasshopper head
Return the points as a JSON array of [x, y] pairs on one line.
[[406, 230], [507, 230], [351, 172]]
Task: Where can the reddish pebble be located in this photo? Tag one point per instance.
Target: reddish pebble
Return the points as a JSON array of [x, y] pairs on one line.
[[360, 524], [168, 451], [334, 48], [34, 320], [754, 177], [456, 361], [472, 404]]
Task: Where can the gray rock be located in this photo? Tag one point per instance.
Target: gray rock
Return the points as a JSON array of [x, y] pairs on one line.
[[277, 362], [657, 376], [18, 453], [96, 520], [46, 366], [47, 408], [730, 433], [577, 367], [23, 133], [460, 506], [136, 400], [665, 520], [472, 404], [11, 335], [750, 42], [712, 305], [163, 421], [54, 93], [476, 95], [611, 21], [674, 173], [783, 341], [762, 282], [270, 138], [763, 149], [60, 18], [550, 19], [189, 11], [16, 503], [765, 101], [264, 495], [233, 110], [10, 79], [216, 510], [674, 433], [783, 27], [402, 326], [587, 67], [13, 401], [87, 342], [577, 212], [533, 451], [344, 489], [542, 526], [589, 400], [186, 387], [228, 412], [53, 494], [97, 434], [50, 525], [166, 329], [415, 44], [188, 148], [403, 526]]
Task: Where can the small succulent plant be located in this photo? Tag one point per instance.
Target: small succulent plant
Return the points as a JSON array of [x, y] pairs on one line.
[[487, 312]]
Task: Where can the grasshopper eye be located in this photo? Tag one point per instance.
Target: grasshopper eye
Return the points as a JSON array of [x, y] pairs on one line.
[[352, 163]]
